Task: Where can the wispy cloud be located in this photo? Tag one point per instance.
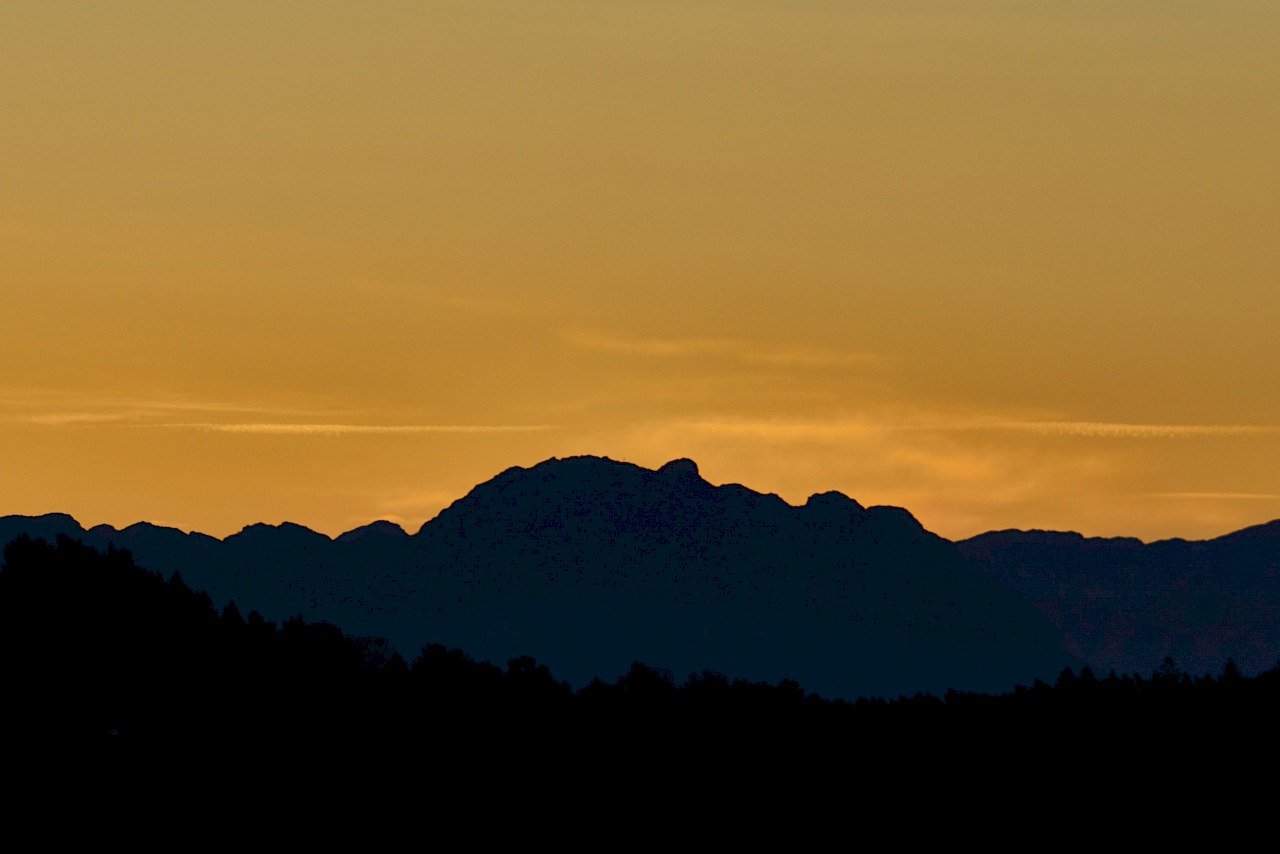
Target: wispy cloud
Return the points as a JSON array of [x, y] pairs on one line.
[[721, 348], [61, 410], [58, 407], [847, 428], [66, 419], [1131, 431], [269, 429], [1211, 496], [783, 430], [880, 460], [965, 471]]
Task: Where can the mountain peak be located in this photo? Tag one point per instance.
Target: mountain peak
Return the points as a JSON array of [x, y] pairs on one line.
[[380, 528], [682, 467], [833, 501], [901, 516], [293, 529], [49, 519]]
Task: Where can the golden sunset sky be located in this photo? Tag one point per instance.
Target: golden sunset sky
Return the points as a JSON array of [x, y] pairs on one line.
[[1006, 264]]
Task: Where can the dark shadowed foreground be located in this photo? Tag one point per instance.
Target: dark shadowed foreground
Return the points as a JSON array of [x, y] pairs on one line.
[[116, 676]]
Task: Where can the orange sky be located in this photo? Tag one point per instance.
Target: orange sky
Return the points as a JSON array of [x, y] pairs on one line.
[[1006, 264]]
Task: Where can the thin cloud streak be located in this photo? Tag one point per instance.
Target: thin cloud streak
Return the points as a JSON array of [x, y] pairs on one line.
[[836, 429], [784, 430], [55, 409], [1134, 431], [64, 407], [267, 429], [1213, 496], [67, 419], [138, 413], [724, 348]]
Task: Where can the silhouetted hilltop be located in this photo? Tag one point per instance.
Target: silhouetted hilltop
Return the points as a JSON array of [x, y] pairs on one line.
[[689, 575], [374, 530], [1122, 604], [589, 564]]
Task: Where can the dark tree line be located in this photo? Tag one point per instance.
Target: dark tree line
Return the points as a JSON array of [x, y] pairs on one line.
[[103, 659]]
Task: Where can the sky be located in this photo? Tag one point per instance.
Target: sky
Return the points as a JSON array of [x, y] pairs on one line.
[[1006, 264]]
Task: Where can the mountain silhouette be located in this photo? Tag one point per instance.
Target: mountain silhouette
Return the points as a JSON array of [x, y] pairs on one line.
[[1122, 604], [589, 564]]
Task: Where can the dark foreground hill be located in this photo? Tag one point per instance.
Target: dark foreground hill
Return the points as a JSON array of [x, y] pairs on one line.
[[121, 685], [589, 564], [1123, 604]]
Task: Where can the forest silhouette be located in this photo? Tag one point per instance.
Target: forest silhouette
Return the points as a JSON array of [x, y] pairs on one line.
[[104, 661]]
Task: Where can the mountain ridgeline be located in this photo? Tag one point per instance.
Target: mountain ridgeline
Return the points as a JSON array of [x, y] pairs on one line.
[[1122, 604], [589, 564]]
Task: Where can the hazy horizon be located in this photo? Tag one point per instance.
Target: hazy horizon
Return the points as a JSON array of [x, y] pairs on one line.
[[413, 529]]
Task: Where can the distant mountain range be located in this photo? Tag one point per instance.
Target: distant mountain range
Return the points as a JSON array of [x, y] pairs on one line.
[[589, 564], [1124, 605]]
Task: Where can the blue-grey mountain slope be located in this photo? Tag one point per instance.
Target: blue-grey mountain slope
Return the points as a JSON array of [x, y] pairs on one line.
[[589, 564], [1124, 605]]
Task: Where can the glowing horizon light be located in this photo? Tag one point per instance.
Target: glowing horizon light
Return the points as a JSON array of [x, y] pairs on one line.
[[1003, 264]]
